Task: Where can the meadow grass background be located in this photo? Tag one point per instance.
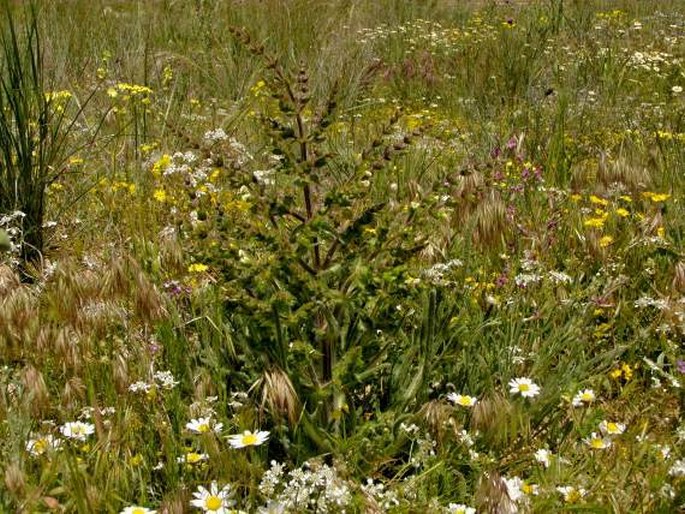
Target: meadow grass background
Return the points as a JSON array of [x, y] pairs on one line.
[[325, 220]]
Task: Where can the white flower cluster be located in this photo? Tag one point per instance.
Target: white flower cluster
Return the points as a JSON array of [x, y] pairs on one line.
[[436, 273], [313, 487], [526, 279], [239, 156], [181, 163], [386, 498], [11, 224], [648, 301], [653, 62], [212, 137], [160, 379], [677, 469]]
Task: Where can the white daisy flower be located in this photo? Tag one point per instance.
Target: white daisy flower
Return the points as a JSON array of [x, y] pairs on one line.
[[462, 399], [460, 508], [524, 386], [572, 494], [586, 396], [204, 426], [213, 500], [597, 442], [134, 509], [611, 428], [542, 456], [42, 444], [77, 430], [513, 486], [248, 438]]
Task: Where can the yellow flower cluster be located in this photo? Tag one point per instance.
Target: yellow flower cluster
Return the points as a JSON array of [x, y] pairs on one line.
[[130, 92]]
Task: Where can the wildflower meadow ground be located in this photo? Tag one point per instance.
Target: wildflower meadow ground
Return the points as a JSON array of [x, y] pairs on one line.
[[272, 256]]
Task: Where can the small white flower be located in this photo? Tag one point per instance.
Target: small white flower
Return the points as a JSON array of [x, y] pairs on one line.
[[166, 379], [572, 494], [586, 396], [77, 430], [513, 486], [273, 507], [42, 444], [134, 509], [677, 469], [462, 399], [460, 508], [542, 456], [139, 387], [597, 442], [204, 426], [192, 458], [524, 386], [213, 500], [248, 438], [664, 451], [676, 90], [611, 428]]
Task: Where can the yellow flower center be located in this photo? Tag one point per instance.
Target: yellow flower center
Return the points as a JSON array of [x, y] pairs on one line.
[[249, 439], [586, 397], [192, 458], [213, 503], [527, 489], [573, 496], [40, 446], [524, 387], [612, 428], [465, 401], [597, 443], [138, 510], [203, 428]]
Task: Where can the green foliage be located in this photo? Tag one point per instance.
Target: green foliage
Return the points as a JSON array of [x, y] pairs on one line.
[[335, 264]]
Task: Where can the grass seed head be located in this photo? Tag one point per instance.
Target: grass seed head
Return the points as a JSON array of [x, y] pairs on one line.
[[678, 283], [37, 397], [437, 414], [490, 222], [492, 496], [491, 416], [15, 480], [279, 395]]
